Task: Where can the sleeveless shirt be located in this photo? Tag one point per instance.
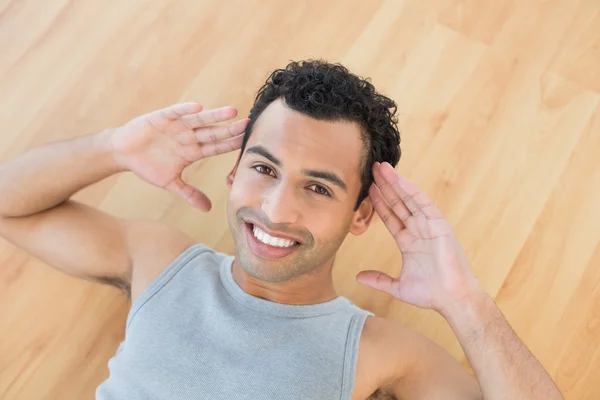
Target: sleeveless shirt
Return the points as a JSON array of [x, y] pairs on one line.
[[195, 334]]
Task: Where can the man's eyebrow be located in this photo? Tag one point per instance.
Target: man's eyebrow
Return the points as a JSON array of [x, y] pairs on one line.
[[261, 151], [326, 175]]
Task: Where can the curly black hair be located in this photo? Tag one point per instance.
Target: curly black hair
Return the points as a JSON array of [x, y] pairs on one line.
[[329, 92]]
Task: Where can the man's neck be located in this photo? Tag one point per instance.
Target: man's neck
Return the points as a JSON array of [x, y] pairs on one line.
[[305, 290]]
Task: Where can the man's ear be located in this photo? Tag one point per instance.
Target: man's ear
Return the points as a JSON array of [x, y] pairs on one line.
[[231, 175], [362, 217]]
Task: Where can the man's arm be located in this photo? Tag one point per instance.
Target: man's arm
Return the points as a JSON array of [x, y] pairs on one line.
[[413, 366], [504, 366], [436, 275], [88, 243], [37, 214]]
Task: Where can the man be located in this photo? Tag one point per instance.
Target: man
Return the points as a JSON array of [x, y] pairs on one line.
[[317, 162]]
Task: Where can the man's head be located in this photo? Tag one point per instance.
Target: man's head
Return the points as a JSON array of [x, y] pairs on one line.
[[305, 167]]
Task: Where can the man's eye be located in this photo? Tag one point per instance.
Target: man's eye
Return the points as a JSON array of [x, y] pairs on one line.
[[321, 190], [263, 169]]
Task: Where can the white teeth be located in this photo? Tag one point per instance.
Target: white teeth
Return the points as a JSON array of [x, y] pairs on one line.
[[270, 240]]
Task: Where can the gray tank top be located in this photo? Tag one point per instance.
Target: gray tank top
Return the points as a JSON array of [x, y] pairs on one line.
[[195, 334]]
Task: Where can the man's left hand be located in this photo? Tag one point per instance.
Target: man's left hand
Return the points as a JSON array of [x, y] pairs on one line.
[[435, 270]]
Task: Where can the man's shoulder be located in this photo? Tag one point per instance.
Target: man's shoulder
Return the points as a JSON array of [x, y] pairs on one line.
[[157, 245], [386, 350], [379, 345]]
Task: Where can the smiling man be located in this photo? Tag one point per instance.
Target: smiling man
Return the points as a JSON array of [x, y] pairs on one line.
[[317, 161], [296, 187]]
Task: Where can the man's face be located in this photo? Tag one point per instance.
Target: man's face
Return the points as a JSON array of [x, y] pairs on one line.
[[298, 180]]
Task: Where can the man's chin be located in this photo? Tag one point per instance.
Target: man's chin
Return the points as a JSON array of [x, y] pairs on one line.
[[261, 271]]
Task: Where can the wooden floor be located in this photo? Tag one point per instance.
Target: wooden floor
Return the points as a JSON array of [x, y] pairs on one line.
[[499, 105]]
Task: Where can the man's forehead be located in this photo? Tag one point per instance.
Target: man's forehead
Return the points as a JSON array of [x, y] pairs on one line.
[[298, 139]]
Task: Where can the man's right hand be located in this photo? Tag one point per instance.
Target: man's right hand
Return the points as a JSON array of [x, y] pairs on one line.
[[159, 145]]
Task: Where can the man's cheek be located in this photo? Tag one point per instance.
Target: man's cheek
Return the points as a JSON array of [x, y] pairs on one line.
[[245, 196]]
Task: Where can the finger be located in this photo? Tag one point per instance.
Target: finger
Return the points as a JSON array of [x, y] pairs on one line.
[[208, 117], [179, 110], [414, 198], [215, 133], [392, 222], [185, 137], [190, 194], [197, 151], [224, 146], [377, 280], [390, 195], [210, 134]]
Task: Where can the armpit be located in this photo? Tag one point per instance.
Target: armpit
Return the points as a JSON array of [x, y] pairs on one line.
[[381, 394], [119, 283]]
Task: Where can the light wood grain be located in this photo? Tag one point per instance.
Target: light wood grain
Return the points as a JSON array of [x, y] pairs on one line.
[[499, 107]]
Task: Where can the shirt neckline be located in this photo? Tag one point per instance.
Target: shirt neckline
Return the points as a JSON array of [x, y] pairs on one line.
[[271, 307]]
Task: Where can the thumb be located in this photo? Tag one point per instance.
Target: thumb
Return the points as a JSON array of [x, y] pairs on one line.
[[377, 280], [189, 193]]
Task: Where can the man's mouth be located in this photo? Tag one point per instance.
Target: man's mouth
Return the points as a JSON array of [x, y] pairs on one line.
[[266, 246]]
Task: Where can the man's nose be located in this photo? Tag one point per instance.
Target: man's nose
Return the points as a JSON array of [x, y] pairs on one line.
[[280, 206]]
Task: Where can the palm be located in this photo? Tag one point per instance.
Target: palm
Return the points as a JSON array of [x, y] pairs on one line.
[[434, 265], [425, 270], [154, 155], [158, 146]]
